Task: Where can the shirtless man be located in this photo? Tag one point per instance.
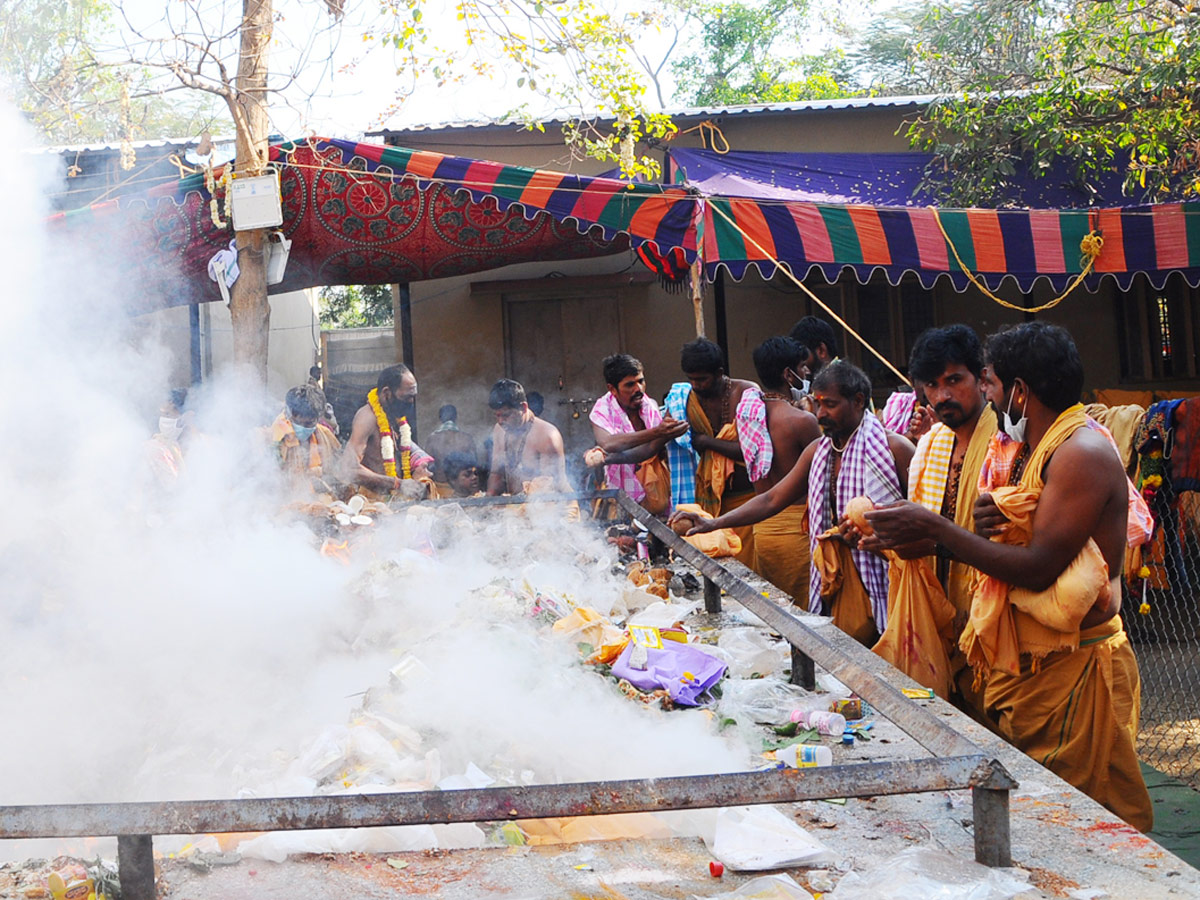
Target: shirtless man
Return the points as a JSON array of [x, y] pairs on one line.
[[363, 459], [1067, 696], [524, 447], [710, 405], [773, 434]]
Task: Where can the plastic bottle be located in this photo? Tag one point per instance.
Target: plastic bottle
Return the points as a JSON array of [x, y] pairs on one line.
[[825, 722], [805, 756]]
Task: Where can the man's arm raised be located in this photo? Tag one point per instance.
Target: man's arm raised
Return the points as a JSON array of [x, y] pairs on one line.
[[619, 443]]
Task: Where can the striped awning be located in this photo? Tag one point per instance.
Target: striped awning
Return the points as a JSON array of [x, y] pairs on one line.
[[368, 214], [994, 244], [656, 213]]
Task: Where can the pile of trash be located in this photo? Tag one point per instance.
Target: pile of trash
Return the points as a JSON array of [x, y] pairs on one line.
[[509, 654]]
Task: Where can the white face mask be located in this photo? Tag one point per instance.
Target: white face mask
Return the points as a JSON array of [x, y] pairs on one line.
[[1015, 430], [169, 427], [798, 393]]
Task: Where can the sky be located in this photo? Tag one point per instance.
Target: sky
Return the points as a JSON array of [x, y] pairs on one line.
[[341, 90]]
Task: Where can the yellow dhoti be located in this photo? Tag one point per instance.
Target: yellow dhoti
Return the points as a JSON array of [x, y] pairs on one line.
[[746, 533], [919, 629], [1068, 698], [781, 553], [842, 592], [1078, 717]]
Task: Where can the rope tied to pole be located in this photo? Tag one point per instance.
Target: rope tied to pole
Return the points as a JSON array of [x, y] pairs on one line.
[[780, 267]]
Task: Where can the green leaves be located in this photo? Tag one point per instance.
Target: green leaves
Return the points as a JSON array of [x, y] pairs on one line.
[[1103, 86], [355, 306]]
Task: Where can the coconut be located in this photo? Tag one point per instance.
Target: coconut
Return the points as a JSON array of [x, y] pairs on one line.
[[856, 510]]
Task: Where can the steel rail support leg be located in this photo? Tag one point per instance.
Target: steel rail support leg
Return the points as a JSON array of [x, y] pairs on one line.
[[804, 673], [135, 866], [712, 596], [989, 801]]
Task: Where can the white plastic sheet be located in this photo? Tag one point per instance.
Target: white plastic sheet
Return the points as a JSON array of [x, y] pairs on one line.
[[751, 838], [765, 887], [930, 874]]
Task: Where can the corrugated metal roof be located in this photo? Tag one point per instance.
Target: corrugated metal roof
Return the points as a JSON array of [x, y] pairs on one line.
[[698, 112], [115, 146]]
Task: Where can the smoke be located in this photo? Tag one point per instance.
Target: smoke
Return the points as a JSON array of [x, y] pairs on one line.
[[187, 640]]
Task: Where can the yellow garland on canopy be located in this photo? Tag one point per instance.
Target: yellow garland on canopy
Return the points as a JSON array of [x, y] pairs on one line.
[[387, 445], [1090, 247]]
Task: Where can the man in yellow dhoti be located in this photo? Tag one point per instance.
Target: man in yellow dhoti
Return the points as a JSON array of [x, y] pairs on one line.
[[772, 434], [722, 484], [854, 458], [1044, 630], [928, 609]]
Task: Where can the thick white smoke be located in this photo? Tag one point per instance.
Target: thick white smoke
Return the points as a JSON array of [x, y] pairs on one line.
[[194, 643]]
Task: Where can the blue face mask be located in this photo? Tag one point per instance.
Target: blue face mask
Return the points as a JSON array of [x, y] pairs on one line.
[[303, 433]]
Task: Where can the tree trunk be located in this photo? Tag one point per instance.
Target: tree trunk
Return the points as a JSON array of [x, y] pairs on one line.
[[248, 306]]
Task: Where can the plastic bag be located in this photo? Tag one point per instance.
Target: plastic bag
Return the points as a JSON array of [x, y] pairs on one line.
[[931, 875], [585, 625], [749, 838], [662, 615], [765, 887], [769, 701], [753, 653], [685, 672]]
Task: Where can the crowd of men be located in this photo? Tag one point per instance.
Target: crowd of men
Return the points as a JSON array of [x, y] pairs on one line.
[[986, 561]]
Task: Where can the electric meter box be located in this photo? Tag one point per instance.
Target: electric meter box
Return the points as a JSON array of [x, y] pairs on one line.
[[256, 202]]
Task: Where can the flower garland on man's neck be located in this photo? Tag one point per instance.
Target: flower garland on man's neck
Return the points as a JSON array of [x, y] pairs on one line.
[[387, 444]]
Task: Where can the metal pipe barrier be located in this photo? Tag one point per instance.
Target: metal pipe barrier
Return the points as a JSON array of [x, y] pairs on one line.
[[956, 764]]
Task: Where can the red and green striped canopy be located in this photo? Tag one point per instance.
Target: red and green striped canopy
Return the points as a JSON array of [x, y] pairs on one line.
[[994, 244], [365, 213], [368, 214]]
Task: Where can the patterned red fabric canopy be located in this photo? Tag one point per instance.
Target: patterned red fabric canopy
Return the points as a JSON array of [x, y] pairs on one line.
[[366, 214]]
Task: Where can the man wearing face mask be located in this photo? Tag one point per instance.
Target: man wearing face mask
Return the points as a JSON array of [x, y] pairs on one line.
[[924, 625], [380, 454], [773, 434], [165, 449], [308, 450], [1052, 523]]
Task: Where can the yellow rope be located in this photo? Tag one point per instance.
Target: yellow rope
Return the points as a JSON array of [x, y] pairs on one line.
[[184, 168], [780, 267], [1090, 247], [709, 132]]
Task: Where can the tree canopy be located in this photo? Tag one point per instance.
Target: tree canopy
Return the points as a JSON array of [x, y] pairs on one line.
[[67, 93], [753, 51], [1099, 86], [355, 306]]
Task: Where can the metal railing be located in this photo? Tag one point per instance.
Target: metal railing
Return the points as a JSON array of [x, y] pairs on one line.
[[956, 763]]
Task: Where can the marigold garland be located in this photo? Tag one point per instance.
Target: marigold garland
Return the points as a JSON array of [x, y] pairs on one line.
[[387, 443], [405, 447], [387, 446]]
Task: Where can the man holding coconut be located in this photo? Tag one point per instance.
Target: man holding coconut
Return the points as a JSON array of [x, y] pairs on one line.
[[855, 458]]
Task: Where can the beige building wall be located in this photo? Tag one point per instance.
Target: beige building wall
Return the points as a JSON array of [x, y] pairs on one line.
[[295, 335], [459, 325]]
